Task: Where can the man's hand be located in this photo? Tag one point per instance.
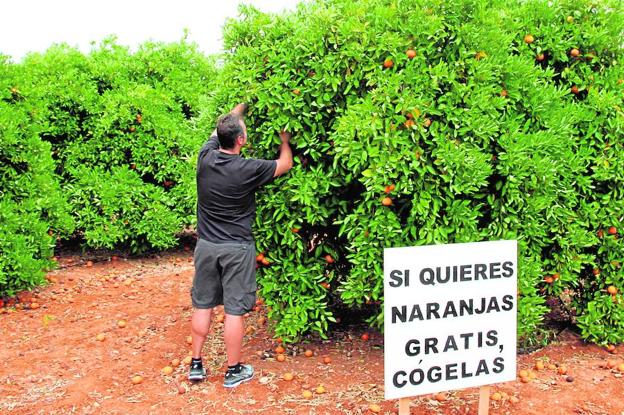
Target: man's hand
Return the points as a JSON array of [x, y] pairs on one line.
[[285, 136], [240, 109]]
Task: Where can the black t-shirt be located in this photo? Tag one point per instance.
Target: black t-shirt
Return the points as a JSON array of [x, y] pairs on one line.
[[226, 185]]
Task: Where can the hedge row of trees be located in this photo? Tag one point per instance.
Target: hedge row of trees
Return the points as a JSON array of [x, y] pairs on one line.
[[97, 147], [415, 122]]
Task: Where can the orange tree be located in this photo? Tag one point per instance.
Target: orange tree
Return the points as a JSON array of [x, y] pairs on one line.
[[421, 122], [121, 127], [31, 200], [98, 147]]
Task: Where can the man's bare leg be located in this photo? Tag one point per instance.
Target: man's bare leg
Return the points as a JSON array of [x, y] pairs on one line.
[[200, 325], [233, 336]]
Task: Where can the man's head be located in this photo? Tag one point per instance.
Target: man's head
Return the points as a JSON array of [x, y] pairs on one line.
[[231, 130]]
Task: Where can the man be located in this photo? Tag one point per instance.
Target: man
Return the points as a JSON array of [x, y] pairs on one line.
[[225, 255]]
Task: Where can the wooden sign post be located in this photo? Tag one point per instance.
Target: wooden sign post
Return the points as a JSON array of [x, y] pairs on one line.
[[449, 319]]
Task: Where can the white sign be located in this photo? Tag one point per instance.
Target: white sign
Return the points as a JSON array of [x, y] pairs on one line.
[[449, 317]]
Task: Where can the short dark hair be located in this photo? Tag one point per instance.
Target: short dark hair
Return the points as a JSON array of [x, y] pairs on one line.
[[228, 128]]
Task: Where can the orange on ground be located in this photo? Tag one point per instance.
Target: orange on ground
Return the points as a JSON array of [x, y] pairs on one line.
[[552, 367], [365, 337], [562, 370], [280, 358], [621, 367], [308, 353], [167, 370], [320, 389], [327, 360], [100, 337], [539, 365], [307, 394], [496, 396], [524, 373], [137, 379], [440, 397], [34, 305], [288, 376], [279, 350], [121, 324], [187, 360], [374, 408], [189, 339], [175, 362]]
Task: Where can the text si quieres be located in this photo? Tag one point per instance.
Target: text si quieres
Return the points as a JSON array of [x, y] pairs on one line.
[[455, 273]]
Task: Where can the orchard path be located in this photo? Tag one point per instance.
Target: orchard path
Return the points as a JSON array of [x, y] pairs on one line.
[[51, 361]]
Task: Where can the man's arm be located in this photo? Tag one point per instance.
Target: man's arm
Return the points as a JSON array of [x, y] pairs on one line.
[[213, 141], [285, 160]]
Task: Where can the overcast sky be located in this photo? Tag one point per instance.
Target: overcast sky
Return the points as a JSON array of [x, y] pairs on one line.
[[34, 25]]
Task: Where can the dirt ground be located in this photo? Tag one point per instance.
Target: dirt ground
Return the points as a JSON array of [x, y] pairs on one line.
[[52, 361]]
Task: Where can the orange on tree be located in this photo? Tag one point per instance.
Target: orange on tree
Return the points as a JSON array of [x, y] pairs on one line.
[[411, 53], [528, 39]]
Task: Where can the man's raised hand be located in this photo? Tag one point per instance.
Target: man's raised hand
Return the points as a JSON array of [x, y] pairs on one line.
[[285, 136], [240, 109]]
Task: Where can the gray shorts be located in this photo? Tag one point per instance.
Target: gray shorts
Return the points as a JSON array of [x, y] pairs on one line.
[[225, 273]]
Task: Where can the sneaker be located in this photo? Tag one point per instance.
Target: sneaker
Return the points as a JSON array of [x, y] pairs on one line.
[[235, 379], [197, 373]]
